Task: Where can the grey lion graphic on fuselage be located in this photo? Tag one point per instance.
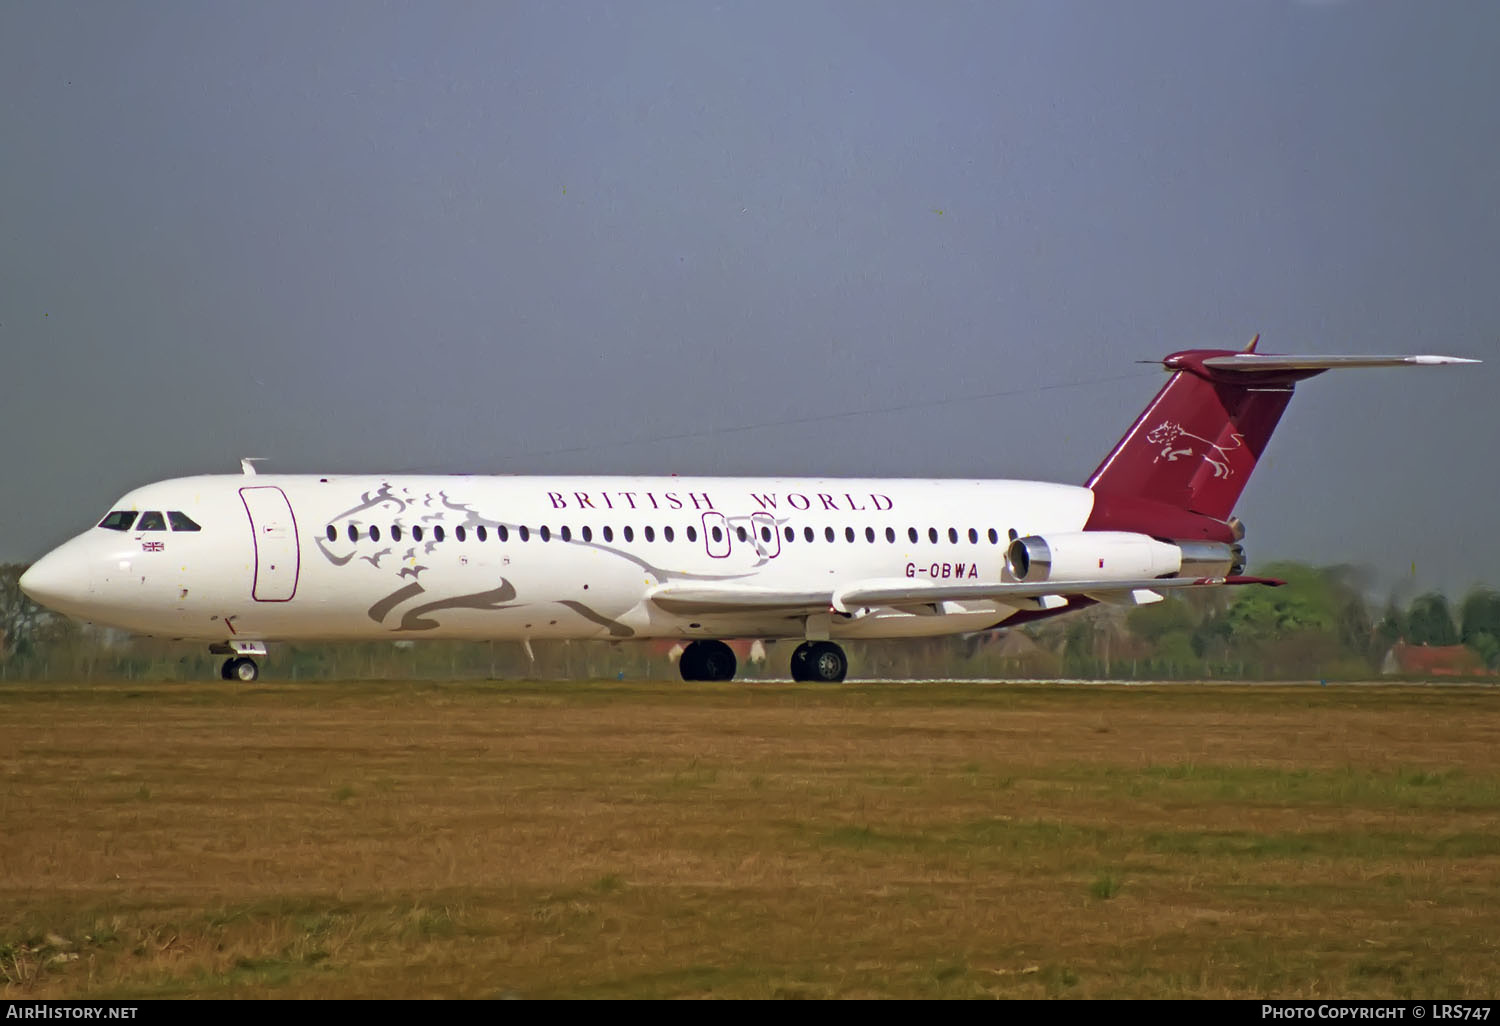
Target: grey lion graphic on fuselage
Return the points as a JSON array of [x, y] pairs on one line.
[[397, 509], [385, 509], [1167, 435], [414, 619]]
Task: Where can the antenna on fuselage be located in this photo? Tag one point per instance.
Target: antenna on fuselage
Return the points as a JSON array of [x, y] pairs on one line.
[[247, 465]]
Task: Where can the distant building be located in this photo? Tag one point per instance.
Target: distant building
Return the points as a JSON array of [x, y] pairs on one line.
[[1433, 661]]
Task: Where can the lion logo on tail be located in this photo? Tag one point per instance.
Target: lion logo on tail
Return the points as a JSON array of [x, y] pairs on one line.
[[1169, 436]]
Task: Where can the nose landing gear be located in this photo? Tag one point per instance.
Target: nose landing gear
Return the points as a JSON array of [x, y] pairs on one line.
[[241, 669], [241, 664]]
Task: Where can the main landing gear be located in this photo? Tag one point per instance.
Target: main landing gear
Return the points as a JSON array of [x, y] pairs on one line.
[[707, 660], [822, 662]]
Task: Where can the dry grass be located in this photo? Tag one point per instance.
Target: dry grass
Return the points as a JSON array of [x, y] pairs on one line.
[[472, 840]]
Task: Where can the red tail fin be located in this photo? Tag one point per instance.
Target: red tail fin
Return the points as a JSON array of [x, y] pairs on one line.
[[1194, 447], [1196, 444]]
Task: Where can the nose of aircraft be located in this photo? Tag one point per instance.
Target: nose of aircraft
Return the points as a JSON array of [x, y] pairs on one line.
[[56, 581]]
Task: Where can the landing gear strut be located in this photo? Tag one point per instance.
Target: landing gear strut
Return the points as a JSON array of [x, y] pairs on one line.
[[707, 660], [242, 669], [820, 661]]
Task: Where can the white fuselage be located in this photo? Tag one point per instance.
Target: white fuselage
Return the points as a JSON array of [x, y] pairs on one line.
[[242, 560], [285, 557]]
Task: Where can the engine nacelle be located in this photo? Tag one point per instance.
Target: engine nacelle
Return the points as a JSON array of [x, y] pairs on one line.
[[1116, 555], [1210, 559]]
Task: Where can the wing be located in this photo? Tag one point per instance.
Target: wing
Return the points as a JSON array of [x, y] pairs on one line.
[[1128, 591], [903, 594], [729, 598]]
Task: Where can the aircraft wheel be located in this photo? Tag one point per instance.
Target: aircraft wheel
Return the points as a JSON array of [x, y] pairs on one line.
[[718, 661], [227, 670], [690, 663], [801, 656], [243, 670], [826, 663]]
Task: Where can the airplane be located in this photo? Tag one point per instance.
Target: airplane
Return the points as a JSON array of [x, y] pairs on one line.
[[242, 560]]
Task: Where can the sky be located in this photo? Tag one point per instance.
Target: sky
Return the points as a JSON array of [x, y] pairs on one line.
[[857, 238]]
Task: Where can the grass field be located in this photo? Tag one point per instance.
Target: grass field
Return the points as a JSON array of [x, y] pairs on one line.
[[614, 840]]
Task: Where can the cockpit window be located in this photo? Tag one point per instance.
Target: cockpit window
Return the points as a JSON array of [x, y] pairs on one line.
[[119, 520], [152, 520], [180, 521]]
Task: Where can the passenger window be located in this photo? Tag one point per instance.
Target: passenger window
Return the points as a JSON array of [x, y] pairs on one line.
[[545, 532], [890, 535], [807, 534], [458, 533], [609, 533], [482, 533], [869, 534], [395, 532], [416, 533], [630, 534], [588, 533], [374, 533], [333, 534], [121, 519], [973, 536], [953, 535], [565, 532], [666, 532], [994, 537], [180, 521], [151, 520], [828, 533], [911, 532], [692, 533], [848, 534], [790, 534], [437, 533], [740, 531], [765, 534], [524, 532], [932, 535], [718, 534], [502, 532], [650, 533]]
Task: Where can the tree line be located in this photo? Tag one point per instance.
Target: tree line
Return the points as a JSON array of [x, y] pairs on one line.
[[1318, 625]]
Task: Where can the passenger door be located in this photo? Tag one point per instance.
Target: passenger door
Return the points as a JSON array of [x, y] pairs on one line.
[[273, 528]]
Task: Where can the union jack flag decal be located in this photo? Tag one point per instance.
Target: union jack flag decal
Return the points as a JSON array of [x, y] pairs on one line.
[[153, 546]]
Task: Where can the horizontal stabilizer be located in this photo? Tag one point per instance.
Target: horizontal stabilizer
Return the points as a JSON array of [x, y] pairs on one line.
[[1254, 362]]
